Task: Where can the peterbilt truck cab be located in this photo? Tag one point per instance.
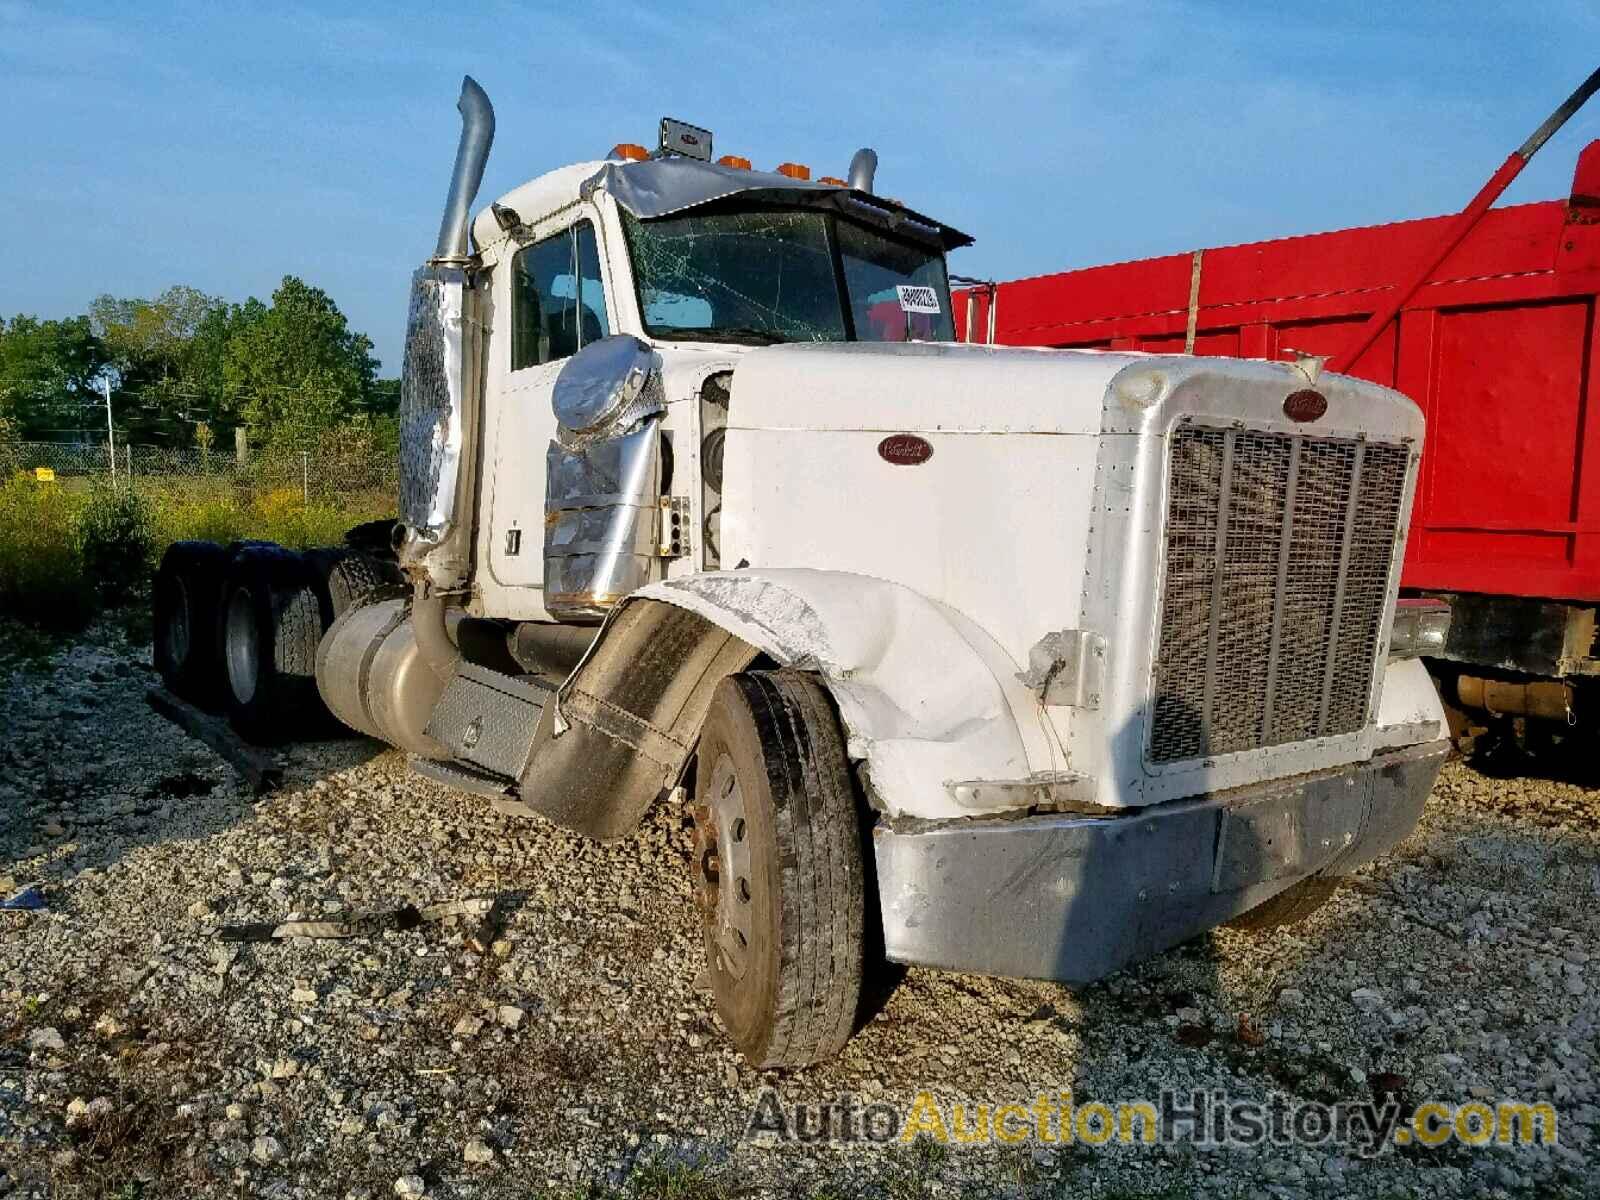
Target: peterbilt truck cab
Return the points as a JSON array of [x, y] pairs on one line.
[[1024, 662]]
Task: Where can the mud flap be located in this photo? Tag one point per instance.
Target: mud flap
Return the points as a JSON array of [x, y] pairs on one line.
[[632, 713]]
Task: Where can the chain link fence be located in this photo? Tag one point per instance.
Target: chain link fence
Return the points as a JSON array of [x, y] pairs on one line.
[[357, 476]]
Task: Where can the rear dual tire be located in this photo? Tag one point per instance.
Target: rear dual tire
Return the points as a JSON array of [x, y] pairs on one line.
[[186, 599], [237, 628], [271, 622]]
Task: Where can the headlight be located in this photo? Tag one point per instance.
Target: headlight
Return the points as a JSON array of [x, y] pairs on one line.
[[1420, 628]]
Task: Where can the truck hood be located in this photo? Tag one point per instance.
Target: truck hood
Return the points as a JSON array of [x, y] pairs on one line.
[[925, 386], [994, 514], [956, 388]]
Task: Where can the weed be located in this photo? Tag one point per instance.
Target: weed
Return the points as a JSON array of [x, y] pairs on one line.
[[42, 577], [220, 514], [670, 1180], [117, 541], [911, 1169], [25, 649], [66, 552], [653, 1179], [118, 1155]]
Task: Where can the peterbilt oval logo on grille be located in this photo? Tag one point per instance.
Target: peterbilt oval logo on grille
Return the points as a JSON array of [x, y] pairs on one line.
[[1305, 405], [905, 449]]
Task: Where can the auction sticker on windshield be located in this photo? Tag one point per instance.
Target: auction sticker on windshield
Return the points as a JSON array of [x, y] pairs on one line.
[[914, 298]]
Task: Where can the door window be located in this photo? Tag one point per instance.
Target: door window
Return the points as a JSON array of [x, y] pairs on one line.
[[558, 302]]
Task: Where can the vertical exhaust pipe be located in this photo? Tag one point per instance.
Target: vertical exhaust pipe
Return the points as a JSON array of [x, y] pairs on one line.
[[436, 396], [472, 152], [863, 166]]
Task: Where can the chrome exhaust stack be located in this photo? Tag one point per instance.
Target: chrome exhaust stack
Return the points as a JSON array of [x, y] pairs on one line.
[[439, 385], [472, 152], [863, 167]]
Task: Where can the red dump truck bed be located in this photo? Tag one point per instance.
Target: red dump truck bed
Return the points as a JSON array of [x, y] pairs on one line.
[[1498, 349]]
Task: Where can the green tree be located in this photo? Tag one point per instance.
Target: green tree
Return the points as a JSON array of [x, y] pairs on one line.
[[167, 359], [296, 368], [384, 399], [49, 371]]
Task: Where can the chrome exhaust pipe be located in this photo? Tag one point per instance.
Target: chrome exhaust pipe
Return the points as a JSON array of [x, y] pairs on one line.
[[863, 166], [472, 152]]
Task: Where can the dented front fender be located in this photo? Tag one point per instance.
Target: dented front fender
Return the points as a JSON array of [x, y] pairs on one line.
[[926, 697], [922, 690]]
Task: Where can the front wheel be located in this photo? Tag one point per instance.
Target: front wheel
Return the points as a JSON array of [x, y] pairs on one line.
[[778, 869]]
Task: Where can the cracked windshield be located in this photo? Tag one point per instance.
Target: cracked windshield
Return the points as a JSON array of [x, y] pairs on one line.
[[785, 276]]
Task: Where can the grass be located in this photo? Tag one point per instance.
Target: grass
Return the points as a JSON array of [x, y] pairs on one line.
[[217, 513], [674, 1181], [655, 1179], [43, 576], [913, 1169], [66, 553]]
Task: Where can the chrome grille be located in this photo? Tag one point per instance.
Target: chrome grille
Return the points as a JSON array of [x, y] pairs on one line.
[[1278, 554]]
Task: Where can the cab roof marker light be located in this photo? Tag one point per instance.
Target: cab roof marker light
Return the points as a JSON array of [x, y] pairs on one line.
[[737, 161], [832, 179], [794, 170], [629, 152]]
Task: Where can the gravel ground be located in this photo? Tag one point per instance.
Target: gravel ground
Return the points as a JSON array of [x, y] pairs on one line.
[[579, 1056]]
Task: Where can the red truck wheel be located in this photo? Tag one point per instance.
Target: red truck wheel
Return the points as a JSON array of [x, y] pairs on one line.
[[778, 869]]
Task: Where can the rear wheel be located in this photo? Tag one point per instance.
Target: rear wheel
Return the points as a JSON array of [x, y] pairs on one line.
[[185, 601], [271, 622], [778, 869], [349, 578]]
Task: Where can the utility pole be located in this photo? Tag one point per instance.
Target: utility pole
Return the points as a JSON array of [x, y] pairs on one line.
[[111, 433]]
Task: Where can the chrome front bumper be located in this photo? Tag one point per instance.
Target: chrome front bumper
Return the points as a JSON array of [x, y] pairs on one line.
[[1074, 898]]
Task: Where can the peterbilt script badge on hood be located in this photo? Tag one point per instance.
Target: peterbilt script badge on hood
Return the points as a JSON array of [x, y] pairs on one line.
[[1305, 405], [905, 450]]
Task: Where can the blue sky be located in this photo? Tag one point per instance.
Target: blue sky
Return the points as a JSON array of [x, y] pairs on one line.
[[225, 145]]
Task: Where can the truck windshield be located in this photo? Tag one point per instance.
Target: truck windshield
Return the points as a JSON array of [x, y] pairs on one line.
[[780, 275]]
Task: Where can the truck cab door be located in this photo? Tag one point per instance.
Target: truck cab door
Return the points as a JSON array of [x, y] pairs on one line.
[[556, 305]]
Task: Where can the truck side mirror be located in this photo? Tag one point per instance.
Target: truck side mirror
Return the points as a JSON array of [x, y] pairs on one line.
[[603, 388], [602, 478]]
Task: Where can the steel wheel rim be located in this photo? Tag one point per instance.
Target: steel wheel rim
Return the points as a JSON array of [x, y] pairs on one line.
[[243, 670], [723, 871], [177, 629]]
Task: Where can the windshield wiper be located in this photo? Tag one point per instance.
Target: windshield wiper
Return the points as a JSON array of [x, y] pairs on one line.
[[719, 333]]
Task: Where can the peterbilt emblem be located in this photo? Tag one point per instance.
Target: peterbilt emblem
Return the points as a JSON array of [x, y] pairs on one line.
[[1305, 405], [905, 450]]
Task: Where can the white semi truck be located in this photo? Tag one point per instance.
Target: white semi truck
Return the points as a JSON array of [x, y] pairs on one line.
[[1025, 662]]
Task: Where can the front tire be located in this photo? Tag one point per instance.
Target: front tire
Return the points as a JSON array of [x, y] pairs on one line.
[[778, 869]]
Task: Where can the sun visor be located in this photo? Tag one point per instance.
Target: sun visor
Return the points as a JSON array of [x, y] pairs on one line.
[[659, 187]]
